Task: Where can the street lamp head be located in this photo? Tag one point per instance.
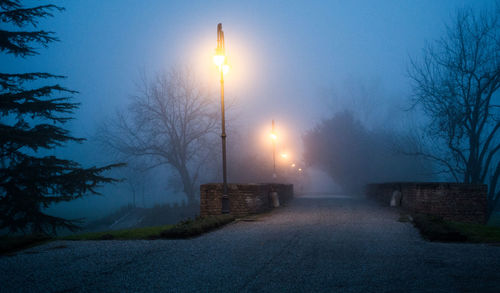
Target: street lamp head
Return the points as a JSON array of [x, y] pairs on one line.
[[220, 54], [293, 165], [273, 136], [284, 155]]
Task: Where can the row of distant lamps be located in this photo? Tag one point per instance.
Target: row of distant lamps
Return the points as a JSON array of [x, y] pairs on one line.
[[274, 138], [285, 156]]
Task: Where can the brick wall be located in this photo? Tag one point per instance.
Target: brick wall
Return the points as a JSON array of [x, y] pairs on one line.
[[451, 201], [244, 199]]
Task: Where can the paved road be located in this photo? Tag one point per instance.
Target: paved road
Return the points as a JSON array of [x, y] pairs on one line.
[[317, 244]]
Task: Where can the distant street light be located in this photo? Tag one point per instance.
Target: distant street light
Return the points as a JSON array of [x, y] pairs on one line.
[[221, 61], [284, 155], [293, 165]]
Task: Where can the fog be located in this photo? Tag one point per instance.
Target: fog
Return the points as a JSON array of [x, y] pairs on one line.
[[298, 63]]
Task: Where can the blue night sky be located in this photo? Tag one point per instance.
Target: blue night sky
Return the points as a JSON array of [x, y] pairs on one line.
[[284, 54], [293, 61]]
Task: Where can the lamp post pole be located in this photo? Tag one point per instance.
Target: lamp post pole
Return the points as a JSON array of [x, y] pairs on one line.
[[225, 196], [274, 150]]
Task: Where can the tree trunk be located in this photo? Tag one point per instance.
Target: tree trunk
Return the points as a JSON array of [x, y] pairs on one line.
[[187, 185]]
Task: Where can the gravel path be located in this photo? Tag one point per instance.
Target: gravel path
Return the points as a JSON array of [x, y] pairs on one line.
[[316, 244]]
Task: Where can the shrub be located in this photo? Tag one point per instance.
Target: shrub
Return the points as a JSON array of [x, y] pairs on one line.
[[191, 228]]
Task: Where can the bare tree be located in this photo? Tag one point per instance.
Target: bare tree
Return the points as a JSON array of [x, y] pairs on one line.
[[456, 84], [171, 122]]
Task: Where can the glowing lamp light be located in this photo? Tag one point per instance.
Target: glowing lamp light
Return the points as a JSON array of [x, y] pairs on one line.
[[219, 60], [220, 52], [284, 156], [293, 165], [300, 169], [273, 136], [225, 69]]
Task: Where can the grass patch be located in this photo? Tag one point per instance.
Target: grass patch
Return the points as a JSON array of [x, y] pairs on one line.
[[478, 233], [184, 229], [10, 244], [124, 234], [436, 229], [160, 214]]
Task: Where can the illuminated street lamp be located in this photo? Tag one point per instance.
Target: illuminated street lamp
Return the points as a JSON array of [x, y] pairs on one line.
[[221, 61], [284, 155], [293, 165]]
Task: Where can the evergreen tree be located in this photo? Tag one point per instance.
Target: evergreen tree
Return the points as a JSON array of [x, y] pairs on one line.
[[32, 120]]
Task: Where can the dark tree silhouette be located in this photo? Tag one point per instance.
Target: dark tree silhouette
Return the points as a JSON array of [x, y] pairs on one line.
[[456, 84], [354, 156], [171, 122], [31, 120]]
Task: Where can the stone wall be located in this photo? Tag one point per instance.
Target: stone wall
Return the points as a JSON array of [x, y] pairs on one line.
[[244, 199], [451, 201]]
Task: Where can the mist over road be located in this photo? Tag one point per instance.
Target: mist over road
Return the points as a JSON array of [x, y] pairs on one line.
[[317, 243]]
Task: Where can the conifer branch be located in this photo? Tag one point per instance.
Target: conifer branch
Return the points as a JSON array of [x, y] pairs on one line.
[[18, 43], [23, 16]]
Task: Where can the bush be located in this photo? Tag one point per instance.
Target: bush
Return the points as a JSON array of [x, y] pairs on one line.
[[191, 228], [436, 229]]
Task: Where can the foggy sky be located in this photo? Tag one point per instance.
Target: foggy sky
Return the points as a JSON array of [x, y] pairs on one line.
[[293, 61]]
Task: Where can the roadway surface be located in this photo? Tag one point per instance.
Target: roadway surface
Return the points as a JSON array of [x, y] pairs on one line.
[[316, 244]]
